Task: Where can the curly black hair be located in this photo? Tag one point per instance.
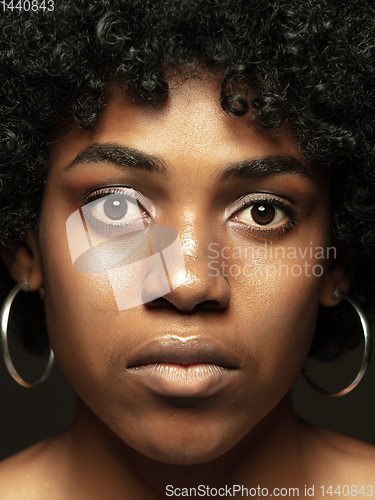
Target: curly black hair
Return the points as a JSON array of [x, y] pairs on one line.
[[309, 64]]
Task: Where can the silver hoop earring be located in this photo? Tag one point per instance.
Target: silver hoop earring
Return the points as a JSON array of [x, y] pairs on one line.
[[4, 317], [366, 353]]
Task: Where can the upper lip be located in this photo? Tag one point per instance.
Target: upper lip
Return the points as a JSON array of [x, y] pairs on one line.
[[184, 351]]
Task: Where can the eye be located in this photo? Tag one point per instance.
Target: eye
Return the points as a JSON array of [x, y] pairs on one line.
[[263, 214], [117, 208], [113, 211]]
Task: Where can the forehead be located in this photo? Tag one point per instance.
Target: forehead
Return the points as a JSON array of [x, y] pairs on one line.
[[189, 129]]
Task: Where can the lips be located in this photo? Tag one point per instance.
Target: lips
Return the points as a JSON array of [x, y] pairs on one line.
[[184, 351], [183, 366]]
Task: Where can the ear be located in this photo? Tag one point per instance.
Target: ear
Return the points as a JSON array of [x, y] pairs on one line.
[[22, 259], [338, 275]]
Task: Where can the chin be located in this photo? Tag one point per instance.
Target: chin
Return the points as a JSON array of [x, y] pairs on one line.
[[193, 446], [189, 455]]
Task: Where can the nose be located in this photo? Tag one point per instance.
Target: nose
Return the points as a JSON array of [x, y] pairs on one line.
[[199, 286]]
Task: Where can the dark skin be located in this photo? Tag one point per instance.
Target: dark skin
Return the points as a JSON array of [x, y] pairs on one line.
[[129, 441]]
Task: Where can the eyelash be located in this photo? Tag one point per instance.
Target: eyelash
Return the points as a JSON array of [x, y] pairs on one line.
[[113, 227], [256, 231], [270, 233]]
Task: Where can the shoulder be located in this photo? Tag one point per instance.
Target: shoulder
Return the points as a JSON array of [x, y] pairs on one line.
[[342, 460], [29, 474]]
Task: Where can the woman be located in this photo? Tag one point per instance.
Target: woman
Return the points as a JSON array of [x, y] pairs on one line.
[[188, 185]]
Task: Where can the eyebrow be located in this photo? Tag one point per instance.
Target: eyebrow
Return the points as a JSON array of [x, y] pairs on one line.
[[263, 167], [125, 157], [120, 156]]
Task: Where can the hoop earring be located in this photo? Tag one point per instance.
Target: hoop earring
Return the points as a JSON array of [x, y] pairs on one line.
[[4, 318], [366, 354]]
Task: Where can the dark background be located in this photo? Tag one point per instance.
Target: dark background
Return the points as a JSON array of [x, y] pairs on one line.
[[29, 415]]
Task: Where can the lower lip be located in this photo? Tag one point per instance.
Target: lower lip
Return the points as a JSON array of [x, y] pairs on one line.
[[197, 380]]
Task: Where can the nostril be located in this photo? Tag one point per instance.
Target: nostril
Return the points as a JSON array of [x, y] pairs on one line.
[[209, 304], [163, 302], [159, 302]]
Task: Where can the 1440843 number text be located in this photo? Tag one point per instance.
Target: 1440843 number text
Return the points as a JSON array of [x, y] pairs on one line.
[[27, 5]]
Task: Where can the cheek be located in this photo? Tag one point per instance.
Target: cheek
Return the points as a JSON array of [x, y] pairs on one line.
[[79, 306], [89, 336], [277, 301]]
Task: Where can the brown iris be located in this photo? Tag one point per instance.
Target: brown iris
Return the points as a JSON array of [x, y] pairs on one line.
[[263, 214], [115, 207]]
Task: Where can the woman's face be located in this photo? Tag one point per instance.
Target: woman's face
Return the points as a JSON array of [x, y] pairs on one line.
[[185, 377]]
